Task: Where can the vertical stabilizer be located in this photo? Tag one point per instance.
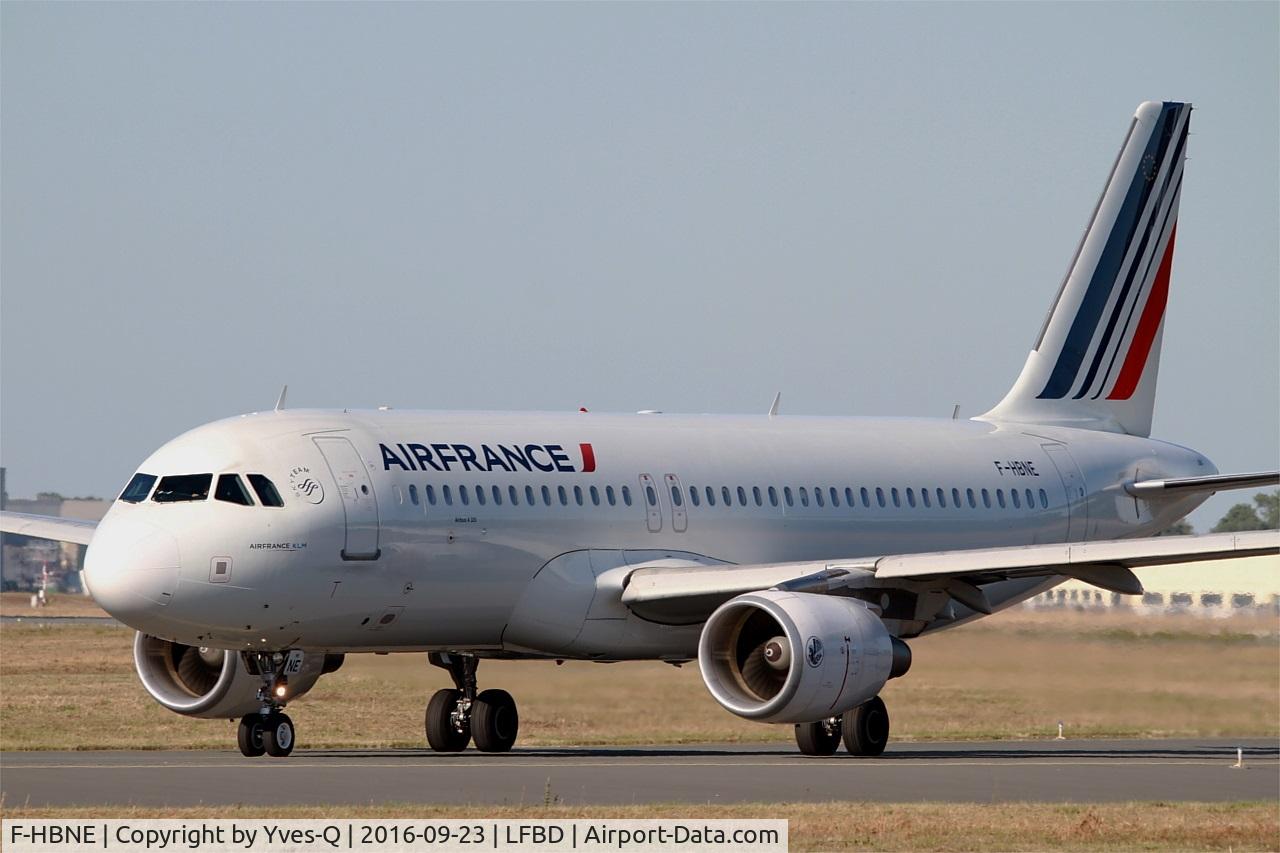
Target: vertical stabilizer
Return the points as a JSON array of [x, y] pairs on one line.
[[1095, 362]]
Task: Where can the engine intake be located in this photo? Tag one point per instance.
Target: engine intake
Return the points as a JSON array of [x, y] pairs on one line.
[[787, 657], [204, 682]]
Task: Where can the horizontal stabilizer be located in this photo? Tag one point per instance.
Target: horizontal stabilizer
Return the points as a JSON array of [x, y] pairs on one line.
[[1213, 483]]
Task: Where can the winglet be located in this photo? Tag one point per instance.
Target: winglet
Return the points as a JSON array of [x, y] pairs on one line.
[[284, 392], [773, 408]]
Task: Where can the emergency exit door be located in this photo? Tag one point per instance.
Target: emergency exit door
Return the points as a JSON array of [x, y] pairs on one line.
[[359, 503], [1073, 484]]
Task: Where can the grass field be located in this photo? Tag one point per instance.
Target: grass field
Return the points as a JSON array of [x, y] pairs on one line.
[[1014, 675], [854, 826], [59, 604]]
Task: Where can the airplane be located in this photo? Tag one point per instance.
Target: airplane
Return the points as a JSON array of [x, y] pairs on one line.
[[792, 557]]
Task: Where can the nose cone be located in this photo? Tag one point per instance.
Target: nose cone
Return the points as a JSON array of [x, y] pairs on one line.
[[131, 569]]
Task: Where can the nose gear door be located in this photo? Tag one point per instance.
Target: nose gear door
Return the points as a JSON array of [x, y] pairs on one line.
[[359, 503]]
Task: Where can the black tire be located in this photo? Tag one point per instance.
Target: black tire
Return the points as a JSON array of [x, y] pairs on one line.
[[277, 735], [494, 721], [818, 738], [441, 734], [249, 736], [866, 728]]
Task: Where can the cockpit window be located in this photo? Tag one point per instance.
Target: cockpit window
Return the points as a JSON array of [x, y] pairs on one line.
[[232, 490], [183, 487], [138, 489], [266, 490]]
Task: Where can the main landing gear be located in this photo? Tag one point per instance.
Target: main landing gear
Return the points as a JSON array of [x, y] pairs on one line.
[[864, 730], [455, 717], [269, 731]]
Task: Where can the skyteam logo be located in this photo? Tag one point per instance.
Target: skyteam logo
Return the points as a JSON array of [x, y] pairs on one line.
[[412, 456], [813, 652], [305, 486]]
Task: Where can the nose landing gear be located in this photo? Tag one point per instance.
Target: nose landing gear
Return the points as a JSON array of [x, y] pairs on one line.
[[455, 717], [269, 731]]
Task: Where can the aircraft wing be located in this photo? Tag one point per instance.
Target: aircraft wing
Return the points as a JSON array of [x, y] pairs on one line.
[[681, 594], [75, 530], [1176, 488]]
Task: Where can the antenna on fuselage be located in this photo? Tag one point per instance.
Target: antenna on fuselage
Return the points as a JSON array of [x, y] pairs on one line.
[[955, 412], [284, 392], [773, 409]]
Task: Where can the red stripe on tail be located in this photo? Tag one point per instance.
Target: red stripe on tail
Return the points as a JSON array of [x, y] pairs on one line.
[[1136, 361]]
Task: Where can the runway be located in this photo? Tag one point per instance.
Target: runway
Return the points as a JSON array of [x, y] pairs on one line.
[[1006, 771]]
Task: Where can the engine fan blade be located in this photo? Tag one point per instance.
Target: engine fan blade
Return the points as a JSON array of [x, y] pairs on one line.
[[198, 669]]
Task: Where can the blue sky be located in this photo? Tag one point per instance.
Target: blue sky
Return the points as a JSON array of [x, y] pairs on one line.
[[624, 206]]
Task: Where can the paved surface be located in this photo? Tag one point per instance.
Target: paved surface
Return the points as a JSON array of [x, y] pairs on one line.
[[1045, 771]]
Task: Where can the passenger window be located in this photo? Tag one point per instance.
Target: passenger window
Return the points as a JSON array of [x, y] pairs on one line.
[[773, 496], [817, 496], [786, 495], [464, 495], [529, 497], [546, 496], [924, 496], [711, 496], [413, 494], [497, 496], [742, 496], [942, 499], [651, 495], [1031, 501], [897, 500], [183, 487], [755, 494], [265, 489], [595, 496], [610, 496], [480, 495], [973, 502], [986, 499], [835, 497], [804, 496], [1000, 497], [677, 499], [1044, 499], [693, 496], [866, 498], [431, 494], [138, 489], [513, 496], [724, 493], [563, 495], [447, 493], [848, 496], [911, 498], [626, 495], [1017, 502], [231, 490], [577, 495]]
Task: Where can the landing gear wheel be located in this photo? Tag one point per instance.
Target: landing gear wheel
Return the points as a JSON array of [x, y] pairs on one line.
[[442, 734], [277, 735], [866, 728], [820, 738], [249, 736], [494, 721]]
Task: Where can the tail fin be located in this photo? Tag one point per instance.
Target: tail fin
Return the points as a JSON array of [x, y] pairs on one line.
[[1095, 362]]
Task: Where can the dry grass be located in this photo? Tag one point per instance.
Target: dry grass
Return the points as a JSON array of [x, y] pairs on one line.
[[1013, 676], [59, 604], [849, 826]]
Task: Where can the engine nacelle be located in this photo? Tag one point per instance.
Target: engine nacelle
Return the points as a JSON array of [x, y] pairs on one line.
[[794, 657], [202, 682]]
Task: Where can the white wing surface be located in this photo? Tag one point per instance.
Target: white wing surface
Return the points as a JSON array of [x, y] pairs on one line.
[[682, 593], [75, 530]]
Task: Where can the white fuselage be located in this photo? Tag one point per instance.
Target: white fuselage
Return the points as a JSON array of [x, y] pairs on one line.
[[400, 541]]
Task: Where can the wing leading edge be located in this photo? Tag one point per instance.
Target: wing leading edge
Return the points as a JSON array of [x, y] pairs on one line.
[[75, 530], [680, 593]]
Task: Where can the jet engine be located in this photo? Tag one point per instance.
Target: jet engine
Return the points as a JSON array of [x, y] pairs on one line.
[[793, 657], [203, 682]]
